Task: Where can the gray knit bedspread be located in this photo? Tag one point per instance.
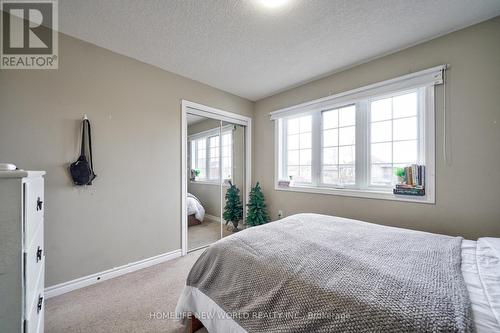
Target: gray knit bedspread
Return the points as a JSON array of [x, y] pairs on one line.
[[316, 273]]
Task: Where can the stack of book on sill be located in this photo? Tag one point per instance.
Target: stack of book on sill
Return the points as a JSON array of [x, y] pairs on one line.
[[413, 181], [283, 183]]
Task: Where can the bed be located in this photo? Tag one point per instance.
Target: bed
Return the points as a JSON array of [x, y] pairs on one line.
[[195, 210], [317, 273]]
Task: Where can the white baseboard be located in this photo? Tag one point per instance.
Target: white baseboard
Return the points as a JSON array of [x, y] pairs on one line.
[[88, 280], [212, 218]]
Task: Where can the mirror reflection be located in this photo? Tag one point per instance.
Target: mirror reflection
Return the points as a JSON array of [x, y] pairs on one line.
[[216, 182]]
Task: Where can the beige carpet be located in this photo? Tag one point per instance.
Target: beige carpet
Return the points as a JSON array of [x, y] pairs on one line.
[[203, 234], [123, 304], [206, 233]]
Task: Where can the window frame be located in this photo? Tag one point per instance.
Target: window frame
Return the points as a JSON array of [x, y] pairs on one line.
[[362, 187], [217, 132]]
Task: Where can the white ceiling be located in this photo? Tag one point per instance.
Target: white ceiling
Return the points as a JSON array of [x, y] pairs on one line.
[[252, 51]]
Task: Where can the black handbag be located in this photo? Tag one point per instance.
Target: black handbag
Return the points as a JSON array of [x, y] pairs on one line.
[[82, 172]]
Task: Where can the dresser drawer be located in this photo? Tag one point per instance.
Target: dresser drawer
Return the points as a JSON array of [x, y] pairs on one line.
[[34, 315], [33, 208], [34, 261]]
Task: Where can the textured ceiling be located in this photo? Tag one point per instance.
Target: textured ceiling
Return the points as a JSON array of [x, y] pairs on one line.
[[252, 51]]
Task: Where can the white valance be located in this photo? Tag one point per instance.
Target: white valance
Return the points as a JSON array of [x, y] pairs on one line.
[[424, 78]]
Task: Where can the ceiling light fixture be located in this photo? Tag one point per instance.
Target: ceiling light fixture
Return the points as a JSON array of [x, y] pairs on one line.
[[273, 3]]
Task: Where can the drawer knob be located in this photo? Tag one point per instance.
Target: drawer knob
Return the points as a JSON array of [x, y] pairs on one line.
[[39, 305], [39, 204], [39, 252]]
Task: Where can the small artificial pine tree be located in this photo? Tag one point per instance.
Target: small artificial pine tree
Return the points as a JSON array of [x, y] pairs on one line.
[[233, 211], [257, 211]]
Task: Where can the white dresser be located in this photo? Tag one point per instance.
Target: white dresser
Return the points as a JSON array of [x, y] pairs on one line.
[[22, 255]]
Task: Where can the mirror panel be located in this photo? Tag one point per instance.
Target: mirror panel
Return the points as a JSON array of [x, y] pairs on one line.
[[233, 171], [203, 200]]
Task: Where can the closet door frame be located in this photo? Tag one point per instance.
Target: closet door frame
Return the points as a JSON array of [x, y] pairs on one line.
[[188, 107]]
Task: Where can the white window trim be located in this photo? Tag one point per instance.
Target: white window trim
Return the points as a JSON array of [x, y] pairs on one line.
[[427, 78], [207, 135]]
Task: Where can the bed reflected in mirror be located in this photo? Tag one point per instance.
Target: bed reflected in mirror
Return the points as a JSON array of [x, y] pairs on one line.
[[216, 178]]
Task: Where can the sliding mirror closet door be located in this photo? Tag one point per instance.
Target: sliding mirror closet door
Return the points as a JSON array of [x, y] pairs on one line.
[[233, 175], [203, 200]]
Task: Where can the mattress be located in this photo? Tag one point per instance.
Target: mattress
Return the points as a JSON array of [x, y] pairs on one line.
[[481, 272]]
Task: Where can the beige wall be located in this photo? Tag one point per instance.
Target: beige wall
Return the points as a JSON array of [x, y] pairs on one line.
[[468, 190], [132, 211]]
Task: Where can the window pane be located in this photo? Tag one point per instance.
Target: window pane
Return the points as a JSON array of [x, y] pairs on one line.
[[293, 126], [293, 157], [214, 173], [405, 129], [330, 175], [305, 157], [226, 151], [405, 105], [304, 174], [226, 173], [201, 163], [346, 155], [299, 148], [193, 154], [381, 152], [347, 135], [347, 175], [305, 124], [293, 171], [214, 141], [381, 174], [399, 125], [330, 138], [330, 155], [226, 139], [214, 152], [381, 131], [305, 140], [214, 163], [347, 116], [330, 119], [293, 141], [381, 109], [201, 143], [405, 152]]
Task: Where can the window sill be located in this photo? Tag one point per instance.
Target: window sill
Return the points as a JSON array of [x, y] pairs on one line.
[[367, 194], [206, 182]]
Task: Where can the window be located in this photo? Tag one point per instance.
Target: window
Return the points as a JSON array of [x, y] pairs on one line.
[[213, 157], [227, 153], [299, 149], [199, 157], [207, 152], [338, 150], [352, 143], [394, 136]]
